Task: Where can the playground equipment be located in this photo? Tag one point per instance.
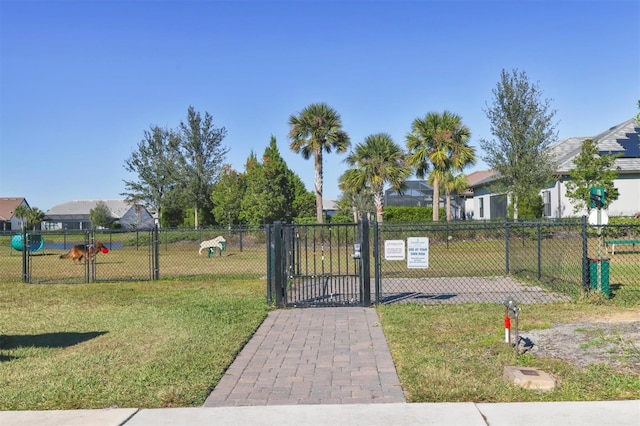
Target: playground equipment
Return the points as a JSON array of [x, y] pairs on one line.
[[35, 242], [211, 245]]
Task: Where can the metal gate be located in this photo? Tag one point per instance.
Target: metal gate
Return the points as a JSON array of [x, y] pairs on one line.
[[318, 265]]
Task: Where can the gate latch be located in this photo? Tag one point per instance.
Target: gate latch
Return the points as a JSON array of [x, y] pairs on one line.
[[356, 251]]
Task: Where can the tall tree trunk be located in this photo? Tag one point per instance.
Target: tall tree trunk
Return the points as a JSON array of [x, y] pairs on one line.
[[379, 202], [436, 199], [448, 207], [318, 187], [195, 216]]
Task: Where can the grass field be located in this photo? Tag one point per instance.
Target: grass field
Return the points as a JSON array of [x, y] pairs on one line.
[[167, 343], [457, 353], [147, 344]]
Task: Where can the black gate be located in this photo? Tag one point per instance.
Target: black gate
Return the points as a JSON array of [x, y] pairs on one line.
[[318, 265]]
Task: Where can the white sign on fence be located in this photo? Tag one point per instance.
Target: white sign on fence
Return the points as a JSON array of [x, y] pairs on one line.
[[394, 250], [418, 252]]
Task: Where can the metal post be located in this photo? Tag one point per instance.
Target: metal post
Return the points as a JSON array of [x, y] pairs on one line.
[[539, 251], [585, 254], [377, 264], [279, 278], [156, 252], [506, 246], [25, 256], [599, 245], [366, 260]]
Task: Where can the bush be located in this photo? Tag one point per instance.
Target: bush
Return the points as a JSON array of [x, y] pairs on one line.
[[394, 214]]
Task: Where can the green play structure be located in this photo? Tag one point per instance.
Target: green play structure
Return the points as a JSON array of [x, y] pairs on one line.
[[35, 242]]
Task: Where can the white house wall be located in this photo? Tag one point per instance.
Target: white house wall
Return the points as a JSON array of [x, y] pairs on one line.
[[627, 204]]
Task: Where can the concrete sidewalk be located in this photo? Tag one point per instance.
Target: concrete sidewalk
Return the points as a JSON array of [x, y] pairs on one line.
[[596, 413]]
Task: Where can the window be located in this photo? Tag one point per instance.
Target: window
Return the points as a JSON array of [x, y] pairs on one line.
[[481, 208], [546, 199]]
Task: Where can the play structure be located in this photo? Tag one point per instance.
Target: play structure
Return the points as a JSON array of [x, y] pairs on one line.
[[218, 243], [35, 242]]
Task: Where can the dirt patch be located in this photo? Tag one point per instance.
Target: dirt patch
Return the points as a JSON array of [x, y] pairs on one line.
[[610, 339]]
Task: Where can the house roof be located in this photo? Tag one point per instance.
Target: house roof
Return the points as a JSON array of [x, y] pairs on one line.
[[8, 206], [329, 205], [622, 139], [118, 208]]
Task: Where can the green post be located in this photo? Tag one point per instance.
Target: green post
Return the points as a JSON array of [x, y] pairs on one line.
[[604, 281]]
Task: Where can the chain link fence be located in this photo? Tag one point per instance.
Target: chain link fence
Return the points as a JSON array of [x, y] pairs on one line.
[[526, 262], [468, 261]]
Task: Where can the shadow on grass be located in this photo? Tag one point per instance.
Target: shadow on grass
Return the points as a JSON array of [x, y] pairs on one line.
[[48, 340]]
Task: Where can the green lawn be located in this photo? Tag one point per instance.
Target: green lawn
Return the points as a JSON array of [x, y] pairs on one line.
[[457, 353], [148, 344], [165, 344]]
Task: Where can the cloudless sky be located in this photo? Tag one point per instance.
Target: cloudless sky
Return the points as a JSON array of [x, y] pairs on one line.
[[80, 81]]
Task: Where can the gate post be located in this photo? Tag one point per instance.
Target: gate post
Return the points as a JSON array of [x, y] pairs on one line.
[[156, 251], [377, 267], [279, 278], [365, 276]]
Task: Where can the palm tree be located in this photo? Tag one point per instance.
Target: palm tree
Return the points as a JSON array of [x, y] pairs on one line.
[[377, 161], [358, 201], [439, 141], [313, 131], [452, 185], [22, 213], [35, 217]]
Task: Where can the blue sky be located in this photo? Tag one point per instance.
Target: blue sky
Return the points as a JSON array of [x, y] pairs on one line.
[[80, 81]]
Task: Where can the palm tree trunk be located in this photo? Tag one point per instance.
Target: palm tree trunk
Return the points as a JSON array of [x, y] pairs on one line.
[[436, 199], [448, 207], [318, 187], [378, 201]]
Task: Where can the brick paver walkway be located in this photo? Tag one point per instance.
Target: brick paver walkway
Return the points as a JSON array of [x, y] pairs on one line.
[[312, 356]]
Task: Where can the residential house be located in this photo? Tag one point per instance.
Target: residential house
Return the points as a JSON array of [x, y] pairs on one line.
[[75, 215], [8, 220], [418, 193], [623, 139]]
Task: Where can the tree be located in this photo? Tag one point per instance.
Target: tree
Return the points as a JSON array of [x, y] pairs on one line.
[[252, 211], [357, 202], [100, 215], [316, 130], [453, 184], [303, 201], [375, 162], [35, 216], [591, 169], [22, 213], [439, 142], [227, 196], [530, 207], [523, 124], [202, 159], [273, 192], [156, 164]]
